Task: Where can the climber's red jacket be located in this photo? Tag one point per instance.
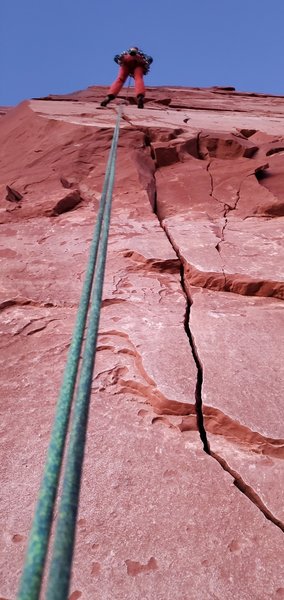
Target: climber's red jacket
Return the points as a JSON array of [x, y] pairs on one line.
[[140, 59]]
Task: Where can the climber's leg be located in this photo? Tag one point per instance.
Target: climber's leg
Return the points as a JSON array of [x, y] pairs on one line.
[[121, 79], [117, 85], [139, 81], [139, 86]]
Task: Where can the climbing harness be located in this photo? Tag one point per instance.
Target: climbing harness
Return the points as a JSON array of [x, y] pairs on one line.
[[90, 303]]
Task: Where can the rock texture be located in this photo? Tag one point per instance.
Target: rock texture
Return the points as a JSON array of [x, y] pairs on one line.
[[183, 484]]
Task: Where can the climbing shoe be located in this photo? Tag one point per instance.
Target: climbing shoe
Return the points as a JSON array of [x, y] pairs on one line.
[[107, 99], [140, 101]]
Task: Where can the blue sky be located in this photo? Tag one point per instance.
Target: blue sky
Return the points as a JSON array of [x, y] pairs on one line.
[[58, 46]]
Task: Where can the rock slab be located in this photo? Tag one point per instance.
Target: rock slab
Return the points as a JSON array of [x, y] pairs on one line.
[[189, 351]]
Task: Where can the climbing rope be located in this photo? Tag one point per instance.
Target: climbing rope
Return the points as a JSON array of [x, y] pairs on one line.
[[60, 569], [128, 87]]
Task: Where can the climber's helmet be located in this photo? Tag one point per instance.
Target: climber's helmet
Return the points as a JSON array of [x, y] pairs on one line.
[[133, 51]]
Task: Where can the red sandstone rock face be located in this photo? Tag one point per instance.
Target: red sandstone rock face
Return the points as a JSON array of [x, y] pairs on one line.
[[4, 110], [189, 352]]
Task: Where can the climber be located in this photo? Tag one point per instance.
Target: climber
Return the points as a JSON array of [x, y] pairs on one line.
[[133, 63]]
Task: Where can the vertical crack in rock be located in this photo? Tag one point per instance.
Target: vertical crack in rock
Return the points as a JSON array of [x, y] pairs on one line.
[[227, 208], [240, 484], [238, 481], [211, 179], [199, 379], [248, 491], [211, 192]]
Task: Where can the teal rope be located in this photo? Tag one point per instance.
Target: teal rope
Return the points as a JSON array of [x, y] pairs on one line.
[[60, 569], [31, 580]]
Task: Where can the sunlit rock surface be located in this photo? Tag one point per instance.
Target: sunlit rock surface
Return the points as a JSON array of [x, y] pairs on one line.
[[182, 495]]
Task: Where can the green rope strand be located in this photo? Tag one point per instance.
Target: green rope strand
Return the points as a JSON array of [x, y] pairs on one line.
[[31, 580], [60, 569]]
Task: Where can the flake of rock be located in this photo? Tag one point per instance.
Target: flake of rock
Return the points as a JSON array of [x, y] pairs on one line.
[[225, 147], [67, 203], [13, 195]]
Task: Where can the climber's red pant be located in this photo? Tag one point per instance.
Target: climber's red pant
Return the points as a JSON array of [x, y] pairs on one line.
[[126, 69]]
